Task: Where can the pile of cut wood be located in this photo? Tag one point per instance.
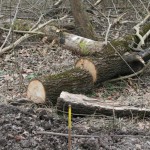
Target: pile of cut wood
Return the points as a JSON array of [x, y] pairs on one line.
[[99, 62]]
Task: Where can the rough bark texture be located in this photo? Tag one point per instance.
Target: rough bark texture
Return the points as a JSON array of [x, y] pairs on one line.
[[75, 81], [105, 69], [82, 105], [82, 21]]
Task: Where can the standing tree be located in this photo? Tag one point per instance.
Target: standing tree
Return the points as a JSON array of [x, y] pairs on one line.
[[83, 24]]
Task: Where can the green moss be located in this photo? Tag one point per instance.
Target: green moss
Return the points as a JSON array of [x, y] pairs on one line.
[[83, 47], [67, 74], [115, 46], [145, 29], [118, 46]]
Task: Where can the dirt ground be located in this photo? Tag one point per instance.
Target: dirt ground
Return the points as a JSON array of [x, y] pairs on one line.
[[19, 129], [20, 120]]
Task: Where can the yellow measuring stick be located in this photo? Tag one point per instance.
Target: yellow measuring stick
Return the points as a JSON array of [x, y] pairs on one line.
[[69, 117], [69, 127]]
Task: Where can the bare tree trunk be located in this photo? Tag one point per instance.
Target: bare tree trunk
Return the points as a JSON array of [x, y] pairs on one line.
[[82, 21]]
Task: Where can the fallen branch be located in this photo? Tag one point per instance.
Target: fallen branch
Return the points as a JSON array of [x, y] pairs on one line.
[[84, 105], [87, 136]]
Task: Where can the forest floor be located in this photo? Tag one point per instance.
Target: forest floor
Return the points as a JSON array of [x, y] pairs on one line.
[[20, 120]]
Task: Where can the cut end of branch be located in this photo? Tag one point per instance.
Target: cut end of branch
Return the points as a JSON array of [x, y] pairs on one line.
[[87, 65], [36, 92]]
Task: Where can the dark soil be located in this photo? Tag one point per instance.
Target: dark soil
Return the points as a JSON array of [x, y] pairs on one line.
[[18, 130]]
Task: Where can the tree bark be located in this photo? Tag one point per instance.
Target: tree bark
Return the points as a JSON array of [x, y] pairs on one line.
[[88, 71], [83, 105], [48, 88], [84, 46], [84, 27], [103, 69]]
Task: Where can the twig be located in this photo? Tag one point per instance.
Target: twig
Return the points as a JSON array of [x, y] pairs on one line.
[[108, 29], [114, 7], [144, 38], [144, 6], [139, 35], [11, 27], [135, 10], [97, 9], [137, 29], [86, 136], [117, 20], [66, 135], [28, 35], [97, 2], [58, 3], [34, 26]]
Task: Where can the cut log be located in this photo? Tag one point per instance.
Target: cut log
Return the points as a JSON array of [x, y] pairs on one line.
[[85, 46], [104, 69], [48, 88], [75, 43], [83, 105]]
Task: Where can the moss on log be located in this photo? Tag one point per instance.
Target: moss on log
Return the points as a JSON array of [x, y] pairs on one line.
[[49, 87]]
